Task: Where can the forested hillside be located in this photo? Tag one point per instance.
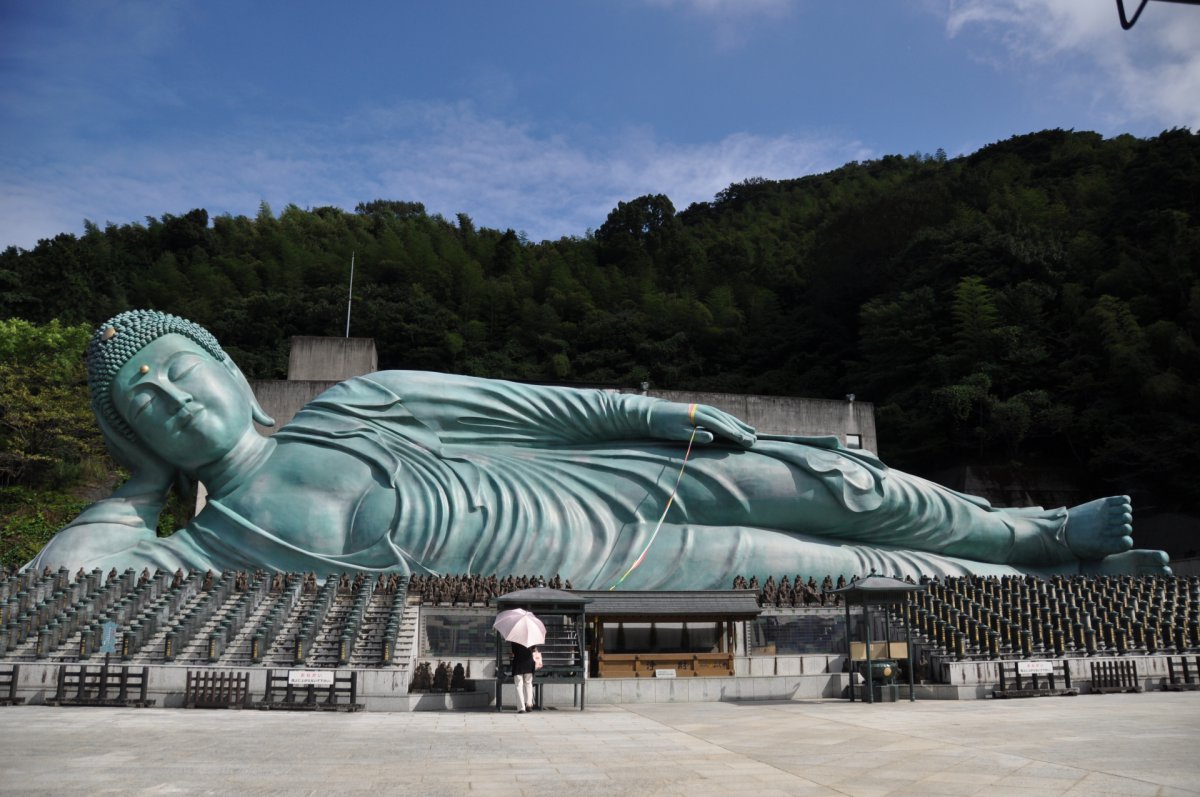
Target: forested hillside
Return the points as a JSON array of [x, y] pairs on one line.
[[1037, 302]]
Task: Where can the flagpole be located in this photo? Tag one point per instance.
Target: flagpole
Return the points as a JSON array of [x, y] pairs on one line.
[[350, 294]]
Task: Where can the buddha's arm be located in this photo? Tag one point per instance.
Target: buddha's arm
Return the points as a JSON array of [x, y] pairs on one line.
[[113, 531], [93, 537], [469, 410]]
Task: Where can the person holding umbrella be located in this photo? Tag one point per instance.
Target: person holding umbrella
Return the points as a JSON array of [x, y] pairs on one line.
[[524, 632]]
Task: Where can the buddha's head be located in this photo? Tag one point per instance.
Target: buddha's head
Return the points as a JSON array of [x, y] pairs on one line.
[[163, 384]]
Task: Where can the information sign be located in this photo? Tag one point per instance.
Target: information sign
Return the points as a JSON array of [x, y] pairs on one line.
[[310, 677], [1035, 667]]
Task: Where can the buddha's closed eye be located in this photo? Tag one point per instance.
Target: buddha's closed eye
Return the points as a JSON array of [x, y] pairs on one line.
[[182, 366], [140, 403]]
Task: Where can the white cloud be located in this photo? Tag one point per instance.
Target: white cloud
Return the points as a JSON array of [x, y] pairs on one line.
[[1146, 77], [446, 156], [695, 173], [509, 175]]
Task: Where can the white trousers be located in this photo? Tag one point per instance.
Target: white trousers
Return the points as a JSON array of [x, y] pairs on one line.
[[524, 684]]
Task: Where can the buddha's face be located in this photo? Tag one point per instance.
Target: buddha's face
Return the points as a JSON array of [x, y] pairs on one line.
[[183, 404]]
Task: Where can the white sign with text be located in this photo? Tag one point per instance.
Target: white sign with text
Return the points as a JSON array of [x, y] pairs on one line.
[[310, 677], [1035, 667]]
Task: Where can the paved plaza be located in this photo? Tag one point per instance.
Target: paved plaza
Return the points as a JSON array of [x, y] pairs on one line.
[[1123, 744]]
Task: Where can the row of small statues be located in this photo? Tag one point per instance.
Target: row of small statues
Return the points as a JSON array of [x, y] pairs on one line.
[[467, 589], [453, 589], [443, 679], [789, 594], [241, 580], [801, 593], [476, 589], [385, 583]]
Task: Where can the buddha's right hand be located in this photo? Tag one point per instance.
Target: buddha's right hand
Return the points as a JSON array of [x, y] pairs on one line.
[[677, 421], [149, 474]]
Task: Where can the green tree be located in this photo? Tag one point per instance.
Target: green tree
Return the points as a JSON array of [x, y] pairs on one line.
[[975, 321], [47, 431]]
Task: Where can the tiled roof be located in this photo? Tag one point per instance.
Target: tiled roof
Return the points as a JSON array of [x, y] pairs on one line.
[[737, 604]]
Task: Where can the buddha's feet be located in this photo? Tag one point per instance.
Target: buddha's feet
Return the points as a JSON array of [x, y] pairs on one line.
[[1139, 562], [1100, 528]]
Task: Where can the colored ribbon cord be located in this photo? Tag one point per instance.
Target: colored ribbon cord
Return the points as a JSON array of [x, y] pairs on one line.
[[666, 509]]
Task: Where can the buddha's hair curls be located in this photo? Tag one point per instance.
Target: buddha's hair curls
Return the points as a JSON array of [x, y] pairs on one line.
[[116, 341]]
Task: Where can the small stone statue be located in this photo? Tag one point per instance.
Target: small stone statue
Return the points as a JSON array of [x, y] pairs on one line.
[[458, 681], [441, 677], [422, 680]]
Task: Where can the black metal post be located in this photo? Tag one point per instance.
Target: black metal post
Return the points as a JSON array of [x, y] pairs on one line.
[[849, 650], [867, 629], [909, 647]]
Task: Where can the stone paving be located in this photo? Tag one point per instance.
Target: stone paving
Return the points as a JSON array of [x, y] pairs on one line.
[[1123, 744]]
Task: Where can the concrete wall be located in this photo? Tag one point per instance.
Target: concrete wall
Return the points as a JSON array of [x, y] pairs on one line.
[[817, 686], [984, 676], [315, 364], [387, 689], [331, 359], [756, 678]]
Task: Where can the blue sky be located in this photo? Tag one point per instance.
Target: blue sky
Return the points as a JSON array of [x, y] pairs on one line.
[[539, 115]]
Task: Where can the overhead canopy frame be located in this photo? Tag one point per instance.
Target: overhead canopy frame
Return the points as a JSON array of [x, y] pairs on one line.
[[878, 591], [572, 606]]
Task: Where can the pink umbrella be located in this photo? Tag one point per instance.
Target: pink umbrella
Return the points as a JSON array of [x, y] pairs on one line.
[[520, 626]]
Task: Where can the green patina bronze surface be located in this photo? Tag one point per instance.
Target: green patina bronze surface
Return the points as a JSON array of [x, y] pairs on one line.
[[441, 473]]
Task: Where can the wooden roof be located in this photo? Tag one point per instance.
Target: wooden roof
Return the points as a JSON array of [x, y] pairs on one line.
[[878, 589], [545, 600], [648, 605]]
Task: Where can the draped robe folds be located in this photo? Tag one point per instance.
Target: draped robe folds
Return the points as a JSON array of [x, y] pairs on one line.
[[436, 473]]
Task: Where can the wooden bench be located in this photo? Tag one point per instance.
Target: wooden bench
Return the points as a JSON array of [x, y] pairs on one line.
[[1034, 679], [646, 665], [101, 685], [216, 689], [1182, 676], [1115, 676], [340, 694], [8, 685]]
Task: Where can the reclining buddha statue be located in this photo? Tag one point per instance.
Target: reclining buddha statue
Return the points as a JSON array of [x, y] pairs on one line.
[[437, 473]]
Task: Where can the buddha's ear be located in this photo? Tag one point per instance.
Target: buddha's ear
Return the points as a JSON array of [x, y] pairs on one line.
[[259, 414], [129, 454]]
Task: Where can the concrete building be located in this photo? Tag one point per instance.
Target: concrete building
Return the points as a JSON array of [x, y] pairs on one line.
[[314, 365]]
